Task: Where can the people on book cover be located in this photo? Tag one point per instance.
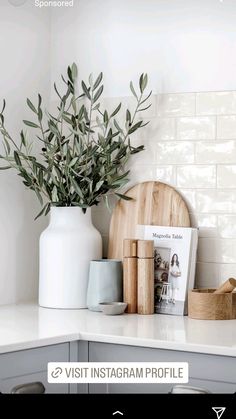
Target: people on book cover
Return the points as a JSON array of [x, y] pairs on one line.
[[175, 274], [157, 259]]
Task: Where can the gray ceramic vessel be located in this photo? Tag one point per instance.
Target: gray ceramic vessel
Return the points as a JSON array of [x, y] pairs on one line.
[[105, 283]]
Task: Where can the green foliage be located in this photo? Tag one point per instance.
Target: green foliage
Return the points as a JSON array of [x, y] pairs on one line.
[[84, 148]]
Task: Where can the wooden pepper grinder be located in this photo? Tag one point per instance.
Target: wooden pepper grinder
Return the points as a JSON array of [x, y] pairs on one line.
[[130, 274], [145, 276]]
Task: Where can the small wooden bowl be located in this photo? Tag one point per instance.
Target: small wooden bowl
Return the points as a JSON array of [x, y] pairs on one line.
[[204, 305]]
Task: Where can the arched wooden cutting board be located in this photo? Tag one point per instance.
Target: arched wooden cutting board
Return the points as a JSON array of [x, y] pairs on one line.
[[153, 203]]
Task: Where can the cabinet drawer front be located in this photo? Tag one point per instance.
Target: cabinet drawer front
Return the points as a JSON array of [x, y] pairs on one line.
[[30, 361], [7, 385], [211, 386], [201, 366]]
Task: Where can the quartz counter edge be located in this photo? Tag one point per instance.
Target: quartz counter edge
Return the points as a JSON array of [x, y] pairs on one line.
[[27, 326]]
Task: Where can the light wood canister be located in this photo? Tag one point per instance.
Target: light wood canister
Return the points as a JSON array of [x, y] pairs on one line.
[[203, 304], [130, 274], [145, 254]]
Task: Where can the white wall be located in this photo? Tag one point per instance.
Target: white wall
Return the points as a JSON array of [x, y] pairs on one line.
[[24, 71], [184, 45]]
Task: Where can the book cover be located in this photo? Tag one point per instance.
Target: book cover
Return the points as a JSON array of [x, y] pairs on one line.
[[174, 265]]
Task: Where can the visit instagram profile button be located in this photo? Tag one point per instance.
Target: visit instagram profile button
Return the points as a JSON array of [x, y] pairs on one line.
[[118, 372]]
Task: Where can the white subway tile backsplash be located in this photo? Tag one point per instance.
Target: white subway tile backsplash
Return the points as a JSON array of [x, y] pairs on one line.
[[196, 176], [140, 173], [227, 226], [163, 129], [207, 224], [226, 127], [216, 152], [208, 250], [144, 173], [213, 201], [174, 152], [215, 103], [178, 104], [217, 250], [207, 275], [189, 195], [226, 271], [166, 174], [226, 176], [196, 128], [158, 129]]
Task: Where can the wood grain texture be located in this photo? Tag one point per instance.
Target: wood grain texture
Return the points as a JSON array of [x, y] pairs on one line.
[[153, 203], [145, 249], [130, 283], [130, 248], [145, 286], [204, 304]]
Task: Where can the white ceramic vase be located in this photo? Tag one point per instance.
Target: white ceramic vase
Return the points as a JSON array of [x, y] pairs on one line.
[[67, 246]]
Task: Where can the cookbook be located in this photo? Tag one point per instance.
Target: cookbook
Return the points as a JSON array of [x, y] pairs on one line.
[[175, 250]]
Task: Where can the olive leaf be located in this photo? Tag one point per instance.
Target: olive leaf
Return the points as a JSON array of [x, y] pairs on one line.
[[116, 110], [143, 82], [86, 90], [30, 124], [98, 94], [98, 81], [74, 71], [125, 197], [133, 90], [3, 106], [135, 127], [31, 106]]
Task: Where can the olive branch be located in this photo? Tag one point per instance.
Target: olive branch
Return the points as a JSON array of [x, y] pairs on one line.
[[84, 149]]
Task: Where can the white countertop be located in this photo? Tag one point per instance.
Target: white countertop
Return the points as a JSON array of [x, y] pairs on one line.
[[28, 326]]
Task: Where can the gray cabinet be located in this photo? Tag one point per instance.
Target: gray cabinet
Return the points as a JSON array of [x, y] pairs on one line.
[[216, 374], [30, 365]]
